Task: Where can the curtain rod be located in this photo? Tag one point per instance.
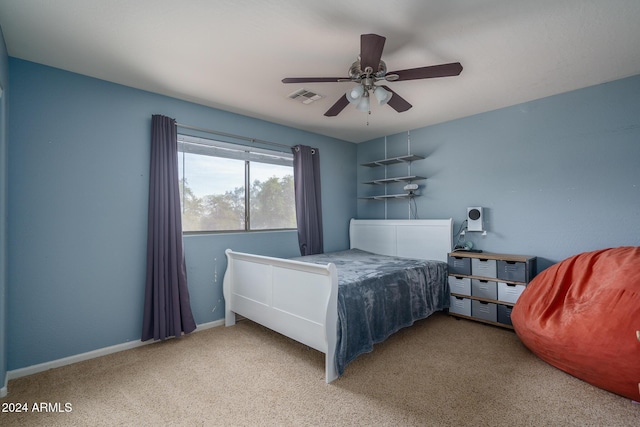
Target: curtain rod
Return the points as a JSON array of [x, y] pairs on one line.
[[230, 135]]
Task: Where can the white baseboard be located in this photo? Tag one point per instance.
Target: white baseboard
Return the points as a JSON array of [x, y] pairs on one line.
[[209, 325], [41, 367]]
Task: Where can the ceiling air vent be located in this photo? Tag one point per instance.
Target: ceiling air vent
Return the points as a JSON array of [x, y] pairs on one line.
[[305, 96]]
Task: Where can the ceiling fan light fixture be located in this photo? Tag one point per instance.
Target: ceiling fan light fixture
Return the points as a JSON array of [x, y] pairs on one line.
[[354, 95], [382, 95], [364, 105]]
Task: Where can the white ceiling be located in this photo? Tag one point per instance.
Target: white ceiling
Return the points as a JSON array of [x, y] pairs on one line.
[[233, 54]]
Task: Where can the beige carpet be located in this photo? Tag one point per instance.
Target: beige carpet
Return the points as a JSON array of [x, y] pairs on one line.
[[439, 372]]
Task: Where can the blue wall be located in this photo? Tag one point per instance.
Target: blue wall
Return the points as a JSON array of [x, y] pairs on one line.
[[78, 174], [4, 80], [556, 176]]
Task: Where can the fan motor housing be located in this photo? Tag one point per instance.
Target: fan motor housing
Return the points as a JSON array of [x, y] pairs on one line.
[[356, 73]]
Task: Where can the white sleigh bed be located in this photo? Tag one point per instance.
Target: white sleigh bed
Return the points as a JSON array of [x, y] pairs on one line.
[[300, 299]]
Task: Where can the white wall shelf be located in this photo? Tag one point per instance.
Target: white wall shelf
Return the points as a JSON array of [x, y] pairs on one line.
[[388, 196], [395, 179], [392, 160]]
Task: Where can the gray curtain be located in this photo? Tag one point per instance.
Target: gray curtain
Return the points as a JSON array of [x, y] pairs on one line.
[[167, 312], [306, 178]]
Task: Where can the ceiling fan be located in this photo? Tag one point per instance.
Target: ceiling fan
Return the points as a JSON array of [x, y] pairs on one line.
[[369, 69]]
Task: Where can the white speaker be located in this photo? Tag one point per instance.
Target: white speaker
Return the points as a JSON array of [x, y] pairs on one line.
[[475, 219]]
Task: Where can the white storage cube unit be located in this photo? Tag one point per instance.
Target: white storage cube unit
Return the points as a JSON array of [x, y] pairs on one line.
[[460, 285], [460, 305], [508, 292], [497, 281], [484, 268]]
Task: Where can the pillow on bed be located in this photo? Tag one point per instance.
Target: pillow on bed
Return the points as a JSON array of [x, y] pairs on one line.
[[582, 316]]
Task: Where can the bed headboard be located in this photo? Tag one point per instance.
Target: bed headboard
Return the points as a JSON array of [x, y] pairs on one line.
[[410, 238]]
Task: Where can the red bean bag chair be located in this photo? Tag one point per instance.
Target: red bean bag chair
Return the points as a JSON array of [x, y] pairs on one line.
[[582, 315]]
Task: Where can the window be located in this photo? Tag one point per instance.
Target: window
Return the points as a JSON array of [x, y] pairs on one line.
[[229, 187]]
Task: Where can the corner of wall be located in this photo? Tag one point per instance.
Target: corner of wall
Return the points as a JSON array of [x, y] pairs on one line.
[[4, 78]]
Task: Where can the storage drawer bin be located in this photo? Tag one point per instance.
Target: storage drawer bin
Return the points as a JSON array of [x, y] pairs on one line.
[[460, 306], [508, 292], [504, 314], [459, 265], [460, 285], [484, 310], [513, 271], [484, 289], [484, 267]]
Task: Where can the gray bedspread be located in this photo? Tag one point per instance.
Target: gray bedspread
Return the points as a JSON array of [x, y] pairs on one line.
[[378, 295]]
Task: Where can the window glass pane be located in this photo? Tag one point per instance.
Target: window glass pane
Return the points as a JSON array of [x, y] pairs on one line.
[[212, 193], [271, 197], [213, 177]]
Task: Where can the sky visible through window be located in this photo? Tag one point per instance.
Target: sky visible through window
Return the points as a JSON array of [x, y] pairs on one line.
[[204, 178]]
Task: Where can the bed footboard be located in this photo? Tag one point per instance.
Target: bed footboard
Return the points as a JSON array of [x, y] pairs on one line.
[[296, 299]]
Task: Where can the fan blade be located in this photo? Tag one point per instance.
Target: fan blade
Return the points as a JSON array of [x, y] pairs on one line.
[[314, 79], [371, 46], [443, 70], [397, 102], [337, 107]]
